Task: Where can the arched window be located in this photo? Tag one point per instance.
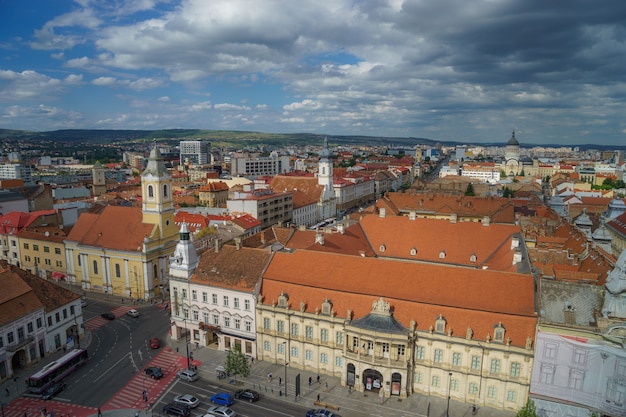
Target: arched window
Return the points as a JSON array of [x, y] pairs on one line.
[[117, 271], [95, 267], [155, 271], [150, 191], [165, 192]]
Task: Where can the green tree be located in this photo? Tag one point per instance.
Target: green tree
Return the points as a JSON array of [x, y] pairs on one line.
[[527, 410], [469, 191], [237, 363]]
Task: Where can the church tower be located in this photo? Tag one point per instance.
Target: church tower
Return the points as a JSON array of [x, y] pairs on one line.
[[157, 202], [325, 178], [98, 179], [511, 157], [185, 259]]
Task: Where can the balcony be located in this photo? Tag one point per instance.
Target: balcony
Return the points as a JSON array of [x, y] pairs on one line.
[[21, 344], [398, 362]]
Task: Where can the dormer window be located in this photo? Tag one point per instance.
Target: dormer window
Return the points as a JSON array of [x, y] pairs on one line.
[[473, 258], [327, 307], [498, 333], [413, 251], [382, 248], [283, 300], [442, 254], [440, 324]]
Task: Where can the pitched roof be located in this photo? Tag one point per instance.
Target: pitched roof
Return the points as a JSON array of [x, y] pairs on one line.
[[305, 185], [238, 269], [17, 298], [115, 227], [417, 291], [352, 242]]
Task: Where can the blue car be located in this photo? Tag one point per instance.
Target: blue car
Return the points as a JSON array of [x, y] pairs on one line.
[[222, 398]]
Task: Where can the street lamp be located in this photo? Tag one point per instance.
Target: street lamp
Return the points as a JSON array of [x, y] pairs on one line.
[[76, 326], [448, 406], [286, 363]]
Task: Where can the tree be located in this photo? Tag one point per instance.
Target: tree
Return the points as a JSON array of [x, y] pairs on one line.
[[237, 363], [528, 410], [469, 191]]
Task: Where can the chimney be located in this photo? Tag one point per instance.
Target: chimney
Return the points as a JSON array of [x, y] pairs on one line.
[[341, 228], [412, 215], [217, 245], [238, 243], [453, 218], [486, 221], [319, 238], [382, 212]]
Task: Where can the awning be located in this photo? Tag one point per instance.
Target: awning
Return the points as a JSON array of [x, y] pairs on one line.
[[58, 276]]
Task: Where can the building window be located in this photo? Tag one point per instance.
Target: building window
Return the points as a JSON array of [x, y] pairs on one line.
[[57, 317], [29, 327], [248, 325], [280, 326], [46, 249], [323, 335], [355, 343], [511, 396], [498, 333], [49, 321], [546, 374], [549, 351], [266, 323], [576, 379], [401, 350], [205, 317], [226, 321], [236, 302], [226, 342], [196, 315], [57, 251], [324, 358], [475, 362], [308, 332], [118, 272], [339, 362], [36, 248], [184, 293], [10, 338], [419, 377], [47, 261], [327, 307], [436, 381], [456, 359], [308, 354], [454, 385], [283, 300], [95, 267], [194, 295], [205, 297], [580, 356], [438, 356], [281, 349], [216, 319], [214, 298], [492, 392], [150, 191], [385, 350], [1, 341], [237, 324], [515, 369], [225, 301], [294, 352], [338, 338], [26, 245], [419, 352], [294, 329], [495, 366], [246, 305], [39, 323], [473, 388], [440, 324], [186, 313], [267, 346]]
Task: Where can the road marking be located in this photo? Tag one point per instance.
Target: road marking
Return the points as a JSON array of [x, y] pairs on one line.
[[111, 368]]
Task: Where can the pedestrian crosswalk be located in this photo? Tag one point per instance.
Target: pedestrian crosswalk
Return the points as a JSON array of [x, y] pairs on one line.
[[35, 407], [97, 322]]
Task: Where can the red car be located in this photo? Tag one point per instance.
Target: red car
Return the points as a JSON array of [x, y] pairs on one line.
[[154, 343]]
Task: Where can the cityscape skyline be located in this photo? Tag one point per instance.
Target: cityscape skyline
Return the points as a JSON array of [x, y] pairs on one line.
[[447, 71]]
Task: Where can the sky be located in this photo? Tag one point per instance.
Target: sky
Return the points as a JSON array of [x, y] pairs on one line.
[[450, 70]]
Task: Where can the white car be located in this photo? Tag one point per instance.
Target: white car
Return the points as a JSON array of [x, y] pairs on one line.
[[188, 400], [187, 375], [133, 313], [219, 411]]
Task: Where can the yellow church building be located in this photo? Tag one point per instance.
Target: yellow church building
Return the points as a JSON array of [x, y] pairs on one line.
[[125, 251]]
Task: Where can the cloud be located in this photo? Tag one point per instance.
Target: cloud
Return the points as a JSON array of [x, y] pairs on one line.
[[26, 84]]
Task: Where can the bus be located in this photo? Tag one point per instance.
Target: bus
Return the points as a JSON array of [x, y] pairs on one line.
[[56, 370]]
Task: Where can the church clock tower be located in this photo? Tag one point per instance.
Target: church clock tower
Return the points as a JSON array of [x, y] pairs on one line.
[[328, 206], [157, 204]]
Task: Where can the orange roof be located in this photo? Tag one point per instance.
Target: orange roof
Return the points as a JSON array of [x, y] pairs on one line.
[[351, 242], [115, 227], [417, 291], [305, 185]]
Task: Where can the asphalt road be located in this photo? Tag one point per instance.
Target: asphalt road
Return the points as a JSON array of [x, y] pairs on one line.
[[119, 349]]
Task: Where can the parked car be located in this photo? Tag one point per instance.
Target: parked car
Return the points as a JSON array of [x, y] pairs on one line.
[[320, 412], [154, 372], [53, 390], [178, 410], [154, 343], [108, 315], [222, 398], [188, 400], [247, 395], [133, 313], [187, 375], [220, 411]]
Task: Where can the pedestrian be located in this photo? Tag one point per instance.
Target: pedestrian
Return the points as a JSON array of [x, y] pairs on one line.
[[99, 412], [252, 360], [122, 300], [280, 381], [197, 345], [310, 381], [326, 384], [318, 379], [8, 392], [382, 395], [318, 398]]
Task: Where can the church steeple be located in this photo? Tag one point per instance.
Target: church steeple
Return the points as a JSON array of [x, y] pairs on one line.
[[185, 259], [325, 179]]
